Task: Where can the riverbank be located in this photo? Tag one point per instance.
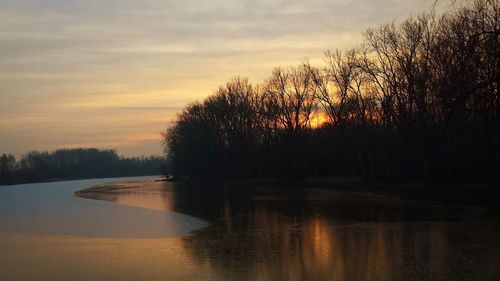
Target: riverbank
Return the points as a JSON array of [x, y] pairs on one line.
[[463, 194], [468, 194], [110, 191], [475, 194]]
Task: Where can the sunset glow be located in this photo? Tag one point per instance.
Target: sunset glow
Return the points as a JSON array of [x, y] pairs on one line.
[[88, 73], [318, 119]]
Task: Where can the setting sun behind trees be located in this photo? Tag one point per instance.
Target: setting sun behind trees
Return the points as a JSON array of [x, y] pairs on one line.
[[318, 119], [400, 109]]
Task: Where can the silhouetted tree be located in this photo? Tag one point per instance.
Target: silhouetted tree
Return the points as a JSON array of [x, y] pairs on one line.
[[7, 167], [75, 163], [418, 101]]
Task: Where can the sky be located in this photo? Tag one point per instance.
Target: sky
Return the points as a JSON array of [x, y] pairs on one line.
[[114, 73]]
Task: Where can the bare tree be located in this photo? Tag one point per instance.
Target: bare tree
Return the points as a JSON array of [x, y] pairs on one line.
[[293, 93]]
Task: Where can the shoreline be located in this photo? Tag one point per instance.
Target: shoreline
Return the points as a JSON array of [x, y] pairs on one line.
[[115, 187], [457, 194]]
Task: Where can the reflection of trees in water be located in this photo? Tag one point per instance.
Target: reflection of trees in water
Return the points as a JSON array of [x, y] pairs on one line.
[[310, 235], [273, 241]]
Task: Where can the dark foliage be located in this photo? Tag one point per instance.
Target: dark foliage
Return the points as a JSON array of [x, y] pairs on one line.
[[415, 102], [75, 163]]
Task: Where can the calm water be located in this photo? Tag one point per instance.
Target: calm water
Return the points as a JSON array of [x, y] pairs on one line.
[[52, 209], [162, 231]]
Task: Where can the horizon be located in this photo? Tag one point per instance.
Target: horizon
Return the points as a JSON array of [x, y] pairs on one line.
[[20, 155], [88, 74]]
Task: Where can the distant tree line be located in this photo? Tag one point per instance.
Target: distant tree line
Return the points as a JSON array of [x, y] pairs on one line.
[[418, 101], [75, 163]]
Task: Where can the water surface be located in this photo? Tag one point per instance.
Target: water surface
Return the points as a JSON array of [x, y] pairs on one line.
[[52, 209], [257, 234]]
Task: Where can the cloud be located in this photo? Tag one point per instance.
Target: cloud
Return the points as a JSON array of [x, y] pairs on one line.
[[74, 71]]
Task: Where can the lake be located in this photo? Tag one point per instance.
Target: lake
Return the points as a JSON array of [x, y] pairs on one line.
[[148, 230]]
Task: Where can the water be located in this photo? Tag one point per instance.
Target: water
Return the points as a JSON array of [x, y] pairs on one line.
[[52, 209], [163, 231]]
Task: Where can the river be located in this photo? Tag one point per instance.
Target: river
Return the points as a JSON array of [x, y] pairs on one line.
[[167, 231]]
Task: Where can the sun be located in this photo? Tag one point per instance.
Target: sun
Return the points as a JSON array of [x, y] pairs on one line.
[[318, 119]]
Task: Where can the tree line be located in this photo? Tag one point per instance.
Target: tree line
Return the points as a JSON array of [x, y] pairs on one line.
[[418, 101], [75, 163]]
